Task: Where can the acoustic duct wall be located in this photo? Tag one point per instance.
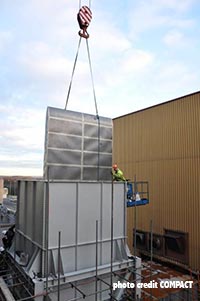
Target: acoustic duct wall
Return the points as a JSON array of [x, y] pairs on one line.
[[78, 146]]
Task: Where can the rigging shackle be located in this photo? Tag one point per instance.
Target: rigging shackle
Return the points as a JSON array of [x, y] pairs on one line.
[[84, 18]]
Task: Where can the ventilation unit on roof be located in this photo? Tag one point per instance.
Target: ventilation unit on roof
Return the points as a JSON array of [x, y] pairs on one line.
[[157, 244], [141, 240], [176, 245]]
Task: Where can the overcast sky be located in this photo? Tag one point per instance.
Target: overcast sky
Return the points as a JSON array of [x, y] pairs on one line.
[[143, 52]]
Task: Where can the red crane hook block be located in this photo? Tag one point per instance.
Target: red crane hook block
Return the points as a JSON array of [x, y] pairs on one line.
[[84, 17]]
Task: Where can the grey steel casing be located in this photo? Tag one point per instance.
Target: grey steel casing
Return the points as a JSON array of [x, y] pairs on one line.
[[73, 209], [78, 146]]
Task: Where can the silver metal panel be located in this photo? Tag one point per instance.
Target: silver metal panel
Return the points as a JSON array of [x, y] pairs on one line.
[[64, 142], [61, 114], [62, 213], [64, 157], [64, 172], [74, 142], [92, 131], [74, 209], [91, 173], [20, 206], [68, 259], [86, 256], [66, 127], [30, 210], [38, 222], [91, 159], [106, 252], [119, 210], [91, 145], [88, 211], [106, 212]]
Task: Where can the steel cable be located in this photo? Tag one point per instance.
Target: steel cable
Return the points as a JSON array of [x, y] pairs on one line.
[[70, 85]]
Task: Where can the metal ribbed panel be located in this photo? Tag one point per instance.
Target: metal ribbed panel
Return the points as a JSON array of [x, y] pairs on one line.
[[77, 146], [162, 145], [72, 208]]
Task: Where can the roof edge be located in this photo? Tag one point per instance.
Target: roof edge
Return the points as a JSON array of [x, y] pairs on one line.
[[160, 104]]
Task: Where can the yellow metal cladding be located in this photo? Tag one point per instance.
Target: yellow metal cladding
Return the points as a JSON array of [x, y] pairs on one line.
[[161, 144]]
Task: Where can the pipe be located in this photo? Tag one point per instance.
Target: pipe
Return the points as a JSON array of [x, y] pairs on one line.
[[135, 228], [59, 263], [46, 270], [96, 282], [151, 231], [111, 247]]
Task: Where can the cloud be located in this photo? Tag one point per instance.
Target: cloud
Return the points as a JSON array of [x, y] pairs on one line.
[[21, 171], [179, 70], [40, 61], [159, 14], [23, 128], [174, 38], [18, 160], [136, 60], [22, 138], [175, 5], [185, 24], [109, 39], [5, 40]]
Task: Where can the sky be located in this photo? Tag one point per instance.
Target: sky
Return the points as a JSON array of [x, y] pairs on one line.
[[143, 52]]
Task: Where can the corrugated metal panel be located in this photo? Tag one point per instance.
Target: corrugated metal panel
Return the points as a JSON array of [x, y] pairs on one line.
[[162, 145]]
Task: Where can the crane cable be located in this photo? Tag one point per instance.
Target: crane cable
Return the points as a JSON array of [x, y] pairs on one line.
[[80, 4], [92, 78], [85, 35], [72, 76]]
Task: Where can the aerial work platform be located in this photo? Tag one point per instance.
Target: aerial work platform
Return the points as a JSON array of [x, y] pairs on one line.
[[137, 202], [137, 193]]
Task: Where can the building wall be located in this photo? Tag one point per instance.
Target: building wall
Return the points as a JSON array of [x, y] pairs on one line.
[[161, 144]]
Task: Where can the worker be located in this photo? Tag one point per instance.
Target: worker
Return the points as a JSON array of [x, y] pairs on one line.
[[8, 238], [117, 174]]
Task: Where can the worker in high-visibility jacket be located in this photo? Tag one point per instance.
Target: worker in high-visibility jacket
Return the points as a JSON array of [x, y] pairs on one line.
[[117, 174]]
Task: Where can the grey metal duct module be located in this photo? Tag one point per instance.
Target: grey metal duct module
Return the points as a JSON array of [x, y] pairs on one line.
[[72, 232], [78, 146]]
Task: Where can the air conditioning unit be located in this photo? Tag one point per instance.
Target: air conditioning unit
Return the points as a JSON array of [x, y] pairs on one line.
[[157, 244], [142, 240], [176, 245]]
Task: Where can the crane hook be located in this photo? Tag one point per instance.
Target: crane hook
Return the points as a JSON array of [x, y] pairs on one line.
[[84, 18]]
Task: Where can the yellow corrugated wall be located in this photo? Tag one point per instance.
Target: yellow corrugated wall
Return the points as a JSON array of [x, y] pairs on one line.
[[161, 144]]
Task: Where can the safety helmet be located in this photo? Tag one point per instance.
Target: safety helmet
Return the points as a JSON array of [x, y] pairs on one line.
[[114, 166]]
